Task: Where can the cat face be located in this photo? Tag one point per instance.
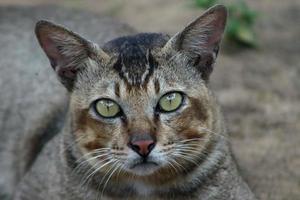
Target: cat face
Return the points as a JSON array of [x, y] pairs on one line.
[[144, 127], [140, 105]]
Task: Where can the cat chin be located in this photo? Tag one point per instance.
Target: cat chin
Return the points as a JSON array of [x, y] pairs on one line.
[[144, 169]]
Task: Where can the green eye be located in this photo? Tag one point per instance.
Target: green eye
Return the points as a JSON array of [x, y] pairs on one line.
[[107, 108], [170, 101]]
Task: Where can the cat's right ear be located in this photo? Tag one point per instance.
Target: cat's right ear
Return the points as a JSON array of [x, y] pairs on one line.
[[67, 51]]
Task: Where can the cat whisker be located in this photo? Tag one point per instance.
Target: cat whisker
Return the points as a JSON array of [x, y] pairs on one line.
[[72, 144], [101, 149], [191, 140], [187, 157], [97, 170], [83, 159], [170, 163], [90, 169], [121, 168], [108, 174], [182, 145], [111, 174], [191, 149], [215, 133], [178, 164], [93, 152], [188, 150], [196, 152], [90, 159], [191, 145]]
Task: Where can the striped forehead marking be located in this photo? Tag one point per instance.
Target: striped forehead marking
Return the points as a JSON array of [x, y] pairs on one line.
[[135, 65], [135, 62]]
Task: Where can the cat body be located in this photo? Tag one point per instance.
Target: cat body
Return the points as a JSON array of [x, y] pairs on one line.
[[139, 120]]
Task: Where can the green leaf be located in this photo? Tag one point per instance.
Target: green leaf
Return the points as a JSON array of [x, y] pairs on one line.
[[246, 35], [205, 3]]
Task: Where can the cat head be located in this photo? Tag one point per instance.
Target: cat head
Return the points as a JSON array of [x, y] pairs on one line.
[[140, 104]]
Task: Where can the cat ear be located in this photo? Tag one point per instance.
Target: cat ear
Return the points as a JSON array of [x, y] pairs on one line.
[[199, 41], [67, 51]]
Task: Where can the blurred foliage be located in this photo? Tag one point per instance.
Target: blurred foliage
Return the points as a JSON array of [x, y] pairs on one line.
[[241, 20], [4, 197], [205, 3]]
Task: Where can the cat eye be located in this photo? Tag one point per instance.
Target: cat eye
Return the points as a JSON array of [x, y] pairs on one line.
[[107, 108], [170, 102]]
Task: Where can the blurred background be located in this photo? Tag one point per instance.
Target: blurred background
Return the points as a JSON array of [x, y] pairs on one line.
[[256, 79]]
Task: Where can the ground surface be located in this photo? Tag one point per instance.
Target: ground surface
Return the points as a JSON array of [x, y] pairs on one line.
[[258, 89]]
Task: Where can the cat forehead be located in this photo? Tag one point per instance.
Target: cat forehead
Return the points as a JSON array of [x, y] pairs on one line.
[[135, 61]]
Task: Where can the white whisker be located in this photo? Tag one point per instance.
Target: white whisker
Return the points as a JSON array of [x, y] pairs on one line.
[[111, 174], [96, 170], [178, 164], [72, 144], [187, 157], [106, 174], [211, 131], [191, 140], [90, 159]]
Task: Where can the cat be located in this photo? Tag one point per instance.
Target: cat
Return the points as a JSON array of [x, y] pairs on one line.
[[141, 121]]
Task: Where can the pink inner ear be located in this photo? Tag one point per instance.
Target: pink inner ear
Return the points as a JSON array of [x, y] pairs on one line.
[[51, 50]]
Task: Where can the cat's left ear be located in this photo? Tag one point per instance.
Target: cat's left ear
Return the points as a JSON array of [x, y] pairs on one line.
[[199, 41], [67, 51]]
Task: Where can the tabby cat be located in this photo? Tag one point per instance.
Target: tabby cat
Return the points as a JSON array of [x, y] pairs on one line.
[[142, 121]]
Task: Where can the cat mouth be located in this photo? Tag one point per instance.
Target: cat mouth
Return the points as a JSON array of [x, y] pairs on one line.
[[144, 164]]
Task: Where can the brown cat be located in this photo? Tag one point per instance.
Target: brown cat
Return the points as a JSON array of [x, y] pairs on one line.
[[142, 121]]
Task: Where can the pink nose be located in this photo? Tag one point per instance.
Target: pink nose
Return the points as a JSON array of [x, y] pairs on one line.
[[142, 147]]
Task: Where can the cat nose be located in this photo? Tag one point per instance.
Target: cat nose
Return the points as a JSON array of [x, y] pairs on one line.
[[142, 147]]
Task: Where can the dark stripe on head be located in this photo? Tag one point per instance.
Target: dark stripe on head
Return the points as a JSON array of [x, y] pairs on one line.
[[156, 86], [135, 63], [117, 89]]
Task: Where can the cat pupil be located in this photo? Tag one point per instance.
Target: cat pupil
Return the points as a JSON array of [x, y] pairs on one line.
[[108, 104], [171, 97]]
